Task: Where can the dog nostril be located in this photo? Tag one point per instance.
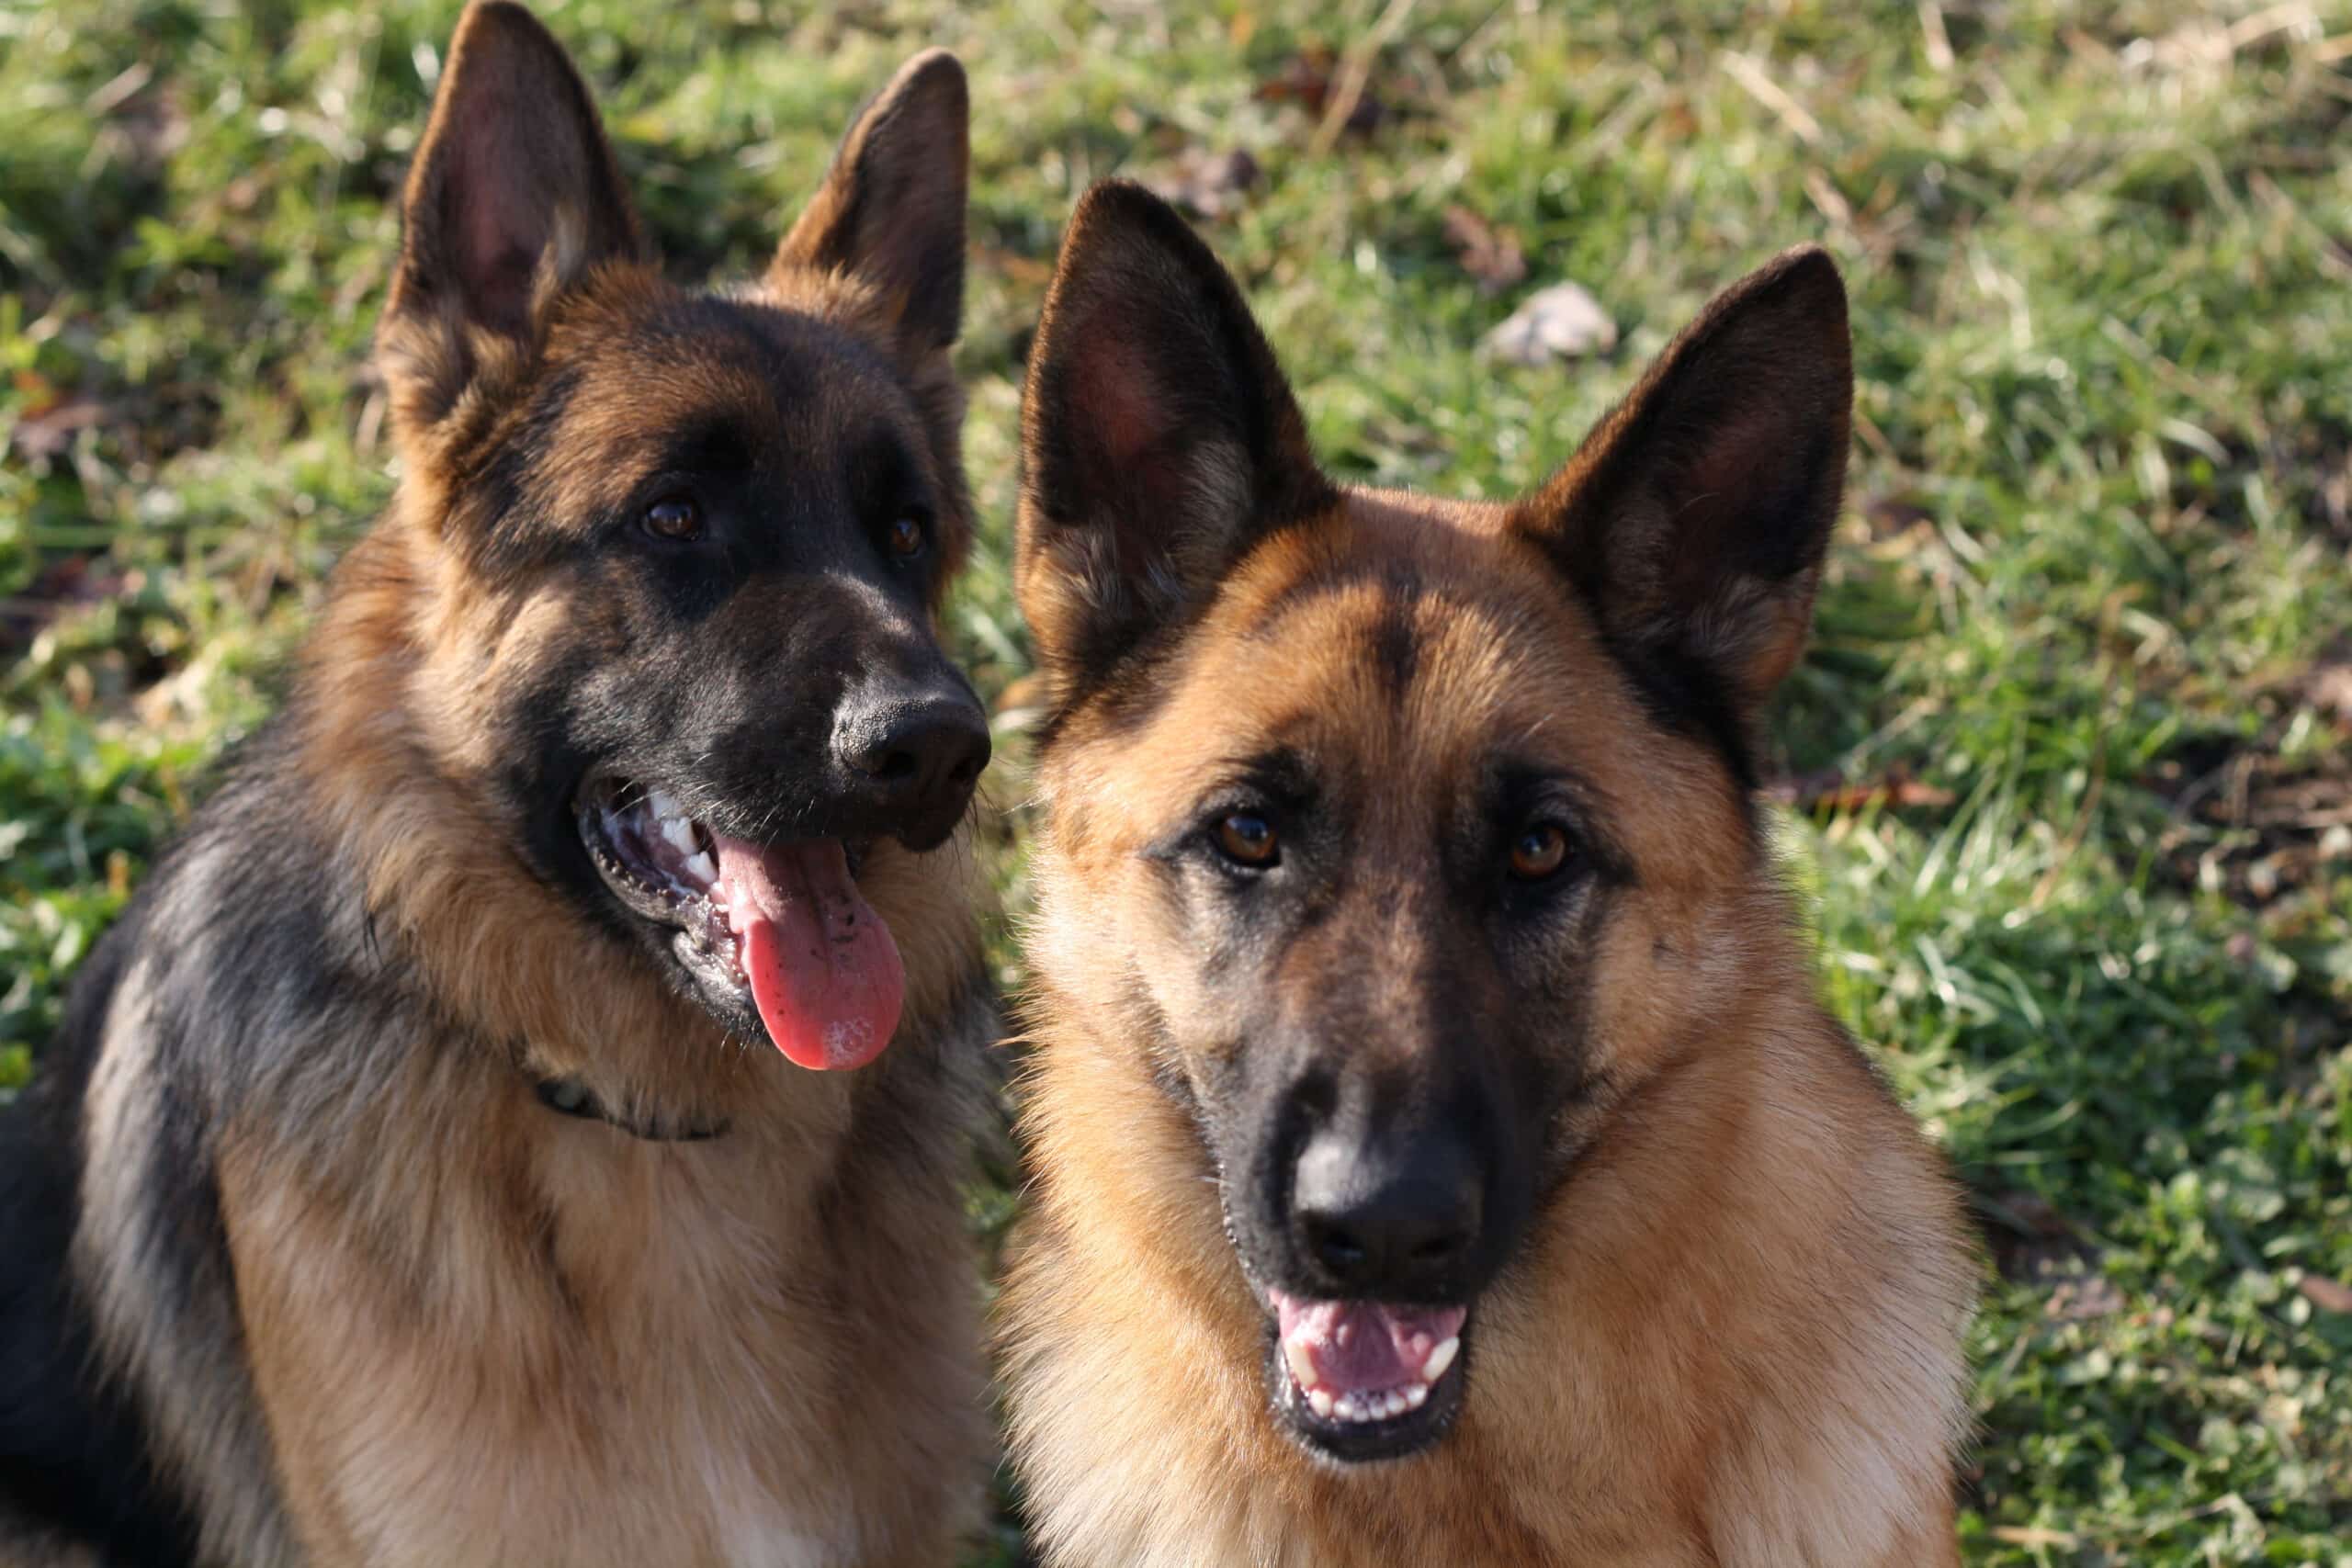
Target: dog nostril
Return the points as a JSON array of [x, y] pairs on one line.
[[1335, 1249], [891, 766]]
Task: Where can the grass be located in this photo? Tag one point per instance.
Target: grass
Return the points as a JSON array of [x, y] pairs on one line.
[[2065, 780]]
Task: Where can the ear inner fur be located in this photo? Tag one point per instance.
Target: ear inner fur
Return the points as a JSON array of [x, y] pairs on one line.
[[513, 195], [1160, 438], [890, 210], [1693, 520]]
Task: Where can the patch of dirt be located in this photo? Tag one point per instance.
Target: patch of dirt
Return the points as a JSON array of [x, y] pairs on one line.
[[2251, 822], [2032, 1243], [66, 583]]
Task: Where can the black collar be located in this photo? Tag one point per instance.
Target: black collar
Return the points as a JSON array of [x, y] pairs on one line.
[[571, 1098]]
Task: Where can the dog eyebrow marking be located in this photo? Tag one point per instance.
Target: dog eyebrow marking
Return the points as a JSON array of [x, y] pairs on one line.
[[721, 444], [1395, 640]]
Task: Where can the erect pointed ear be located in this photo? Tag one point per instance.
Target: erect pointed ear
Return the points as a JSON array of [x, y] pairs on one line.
[[513, 191], [891, 209], [1159, 438], [1693, 520]]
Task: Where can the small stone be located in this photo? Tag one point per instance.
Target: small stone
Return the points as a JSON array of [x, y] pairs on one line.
[[1563, 321]]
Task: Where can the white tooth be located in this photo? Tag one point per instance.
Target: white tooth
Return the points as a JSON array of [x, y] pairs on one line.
[[662, 804], [1440, 1358], [700, 868], [1397, 1402], [1416, 1396], [1320, 1402], [681, 834], [1302, 1365]]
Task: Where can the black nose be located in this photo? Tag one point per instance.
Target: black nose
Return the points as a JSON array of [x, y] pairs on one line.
[[922, 756], [1396, 1221]]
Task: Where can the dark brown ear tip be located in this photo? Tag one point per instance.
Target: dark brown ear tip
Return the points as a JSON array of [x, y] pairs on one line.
[[1119, 223], [1120, 204], [1808, 274], [508, 20], [933, 71]]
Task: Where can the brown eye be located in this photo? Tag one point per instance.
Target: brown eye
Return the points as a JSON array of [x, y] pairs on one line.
[[1539, 852], [1248, 839], [906, 537], [674, 518]]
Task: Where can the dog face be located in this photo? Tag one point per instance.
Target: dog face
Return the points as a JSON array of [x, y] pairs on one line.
[[1405, 836], [685, 548]]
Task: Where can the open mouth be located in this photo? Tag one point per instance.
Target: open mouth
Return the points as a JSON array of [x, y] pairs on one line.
[[773, 936], [1358, 1380]]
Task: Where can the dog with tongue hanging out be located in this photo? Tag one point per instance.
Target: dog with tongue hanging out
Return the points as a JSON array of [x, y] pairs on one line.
[[1441, 1156], [416, 1179]]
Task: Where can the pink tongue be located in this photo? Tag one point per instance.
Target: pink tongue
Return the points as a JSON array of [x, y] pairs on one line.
[[823, 968], [1365, 1346]]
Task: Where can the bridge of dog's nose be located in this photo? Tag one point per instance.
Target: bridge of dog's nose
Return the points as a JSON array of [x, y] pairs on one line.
[[1393, 1223], [917, 754]]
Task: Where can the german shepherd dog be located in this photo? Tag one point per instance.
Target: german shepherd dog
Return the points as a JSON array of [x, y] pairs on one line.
[[1440, 1155], [413, 1181]]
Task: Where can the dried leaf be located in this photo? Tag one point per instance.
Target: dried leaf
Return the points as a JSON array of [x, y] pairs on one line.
[[1559, 322], [1487, 252], [1830, 790], [50, 432], [2326, 1294], [2327, 685], [1308, 79], [1205, 184], [2079, 1300]]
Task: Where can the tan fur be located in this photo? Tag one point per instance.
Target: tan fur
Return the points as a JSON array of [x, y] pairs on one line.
[[1733, 1336]]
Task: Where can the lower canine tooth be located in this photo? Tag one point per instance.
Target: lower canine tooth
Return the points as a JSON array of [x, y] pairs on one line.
[[1440, 1358], [1302, 1365], [700, 868]]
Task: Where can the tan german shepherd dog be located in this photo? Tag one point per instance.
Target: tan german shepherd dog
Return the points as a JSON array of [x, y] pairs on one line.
[[1441, 1156], [413, 1181]]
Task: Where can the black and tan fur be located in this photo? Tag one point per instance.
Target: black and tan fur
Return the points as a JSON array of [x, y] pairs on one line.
[[1716, 1280], [300, 1267]]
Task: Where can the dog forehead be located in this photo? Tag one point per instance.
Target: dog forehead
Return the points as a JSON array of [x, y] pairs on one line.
[[1406, 644], [677, 356], [642, 379]]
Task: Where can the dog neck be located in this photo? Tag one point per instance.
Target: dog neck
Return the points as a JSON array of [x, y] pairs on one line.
[[571, 1097]]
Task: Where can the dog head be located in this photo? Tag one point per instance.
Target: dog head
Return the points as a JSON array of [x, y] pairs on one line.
[[683, 549], [1406, 839]]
